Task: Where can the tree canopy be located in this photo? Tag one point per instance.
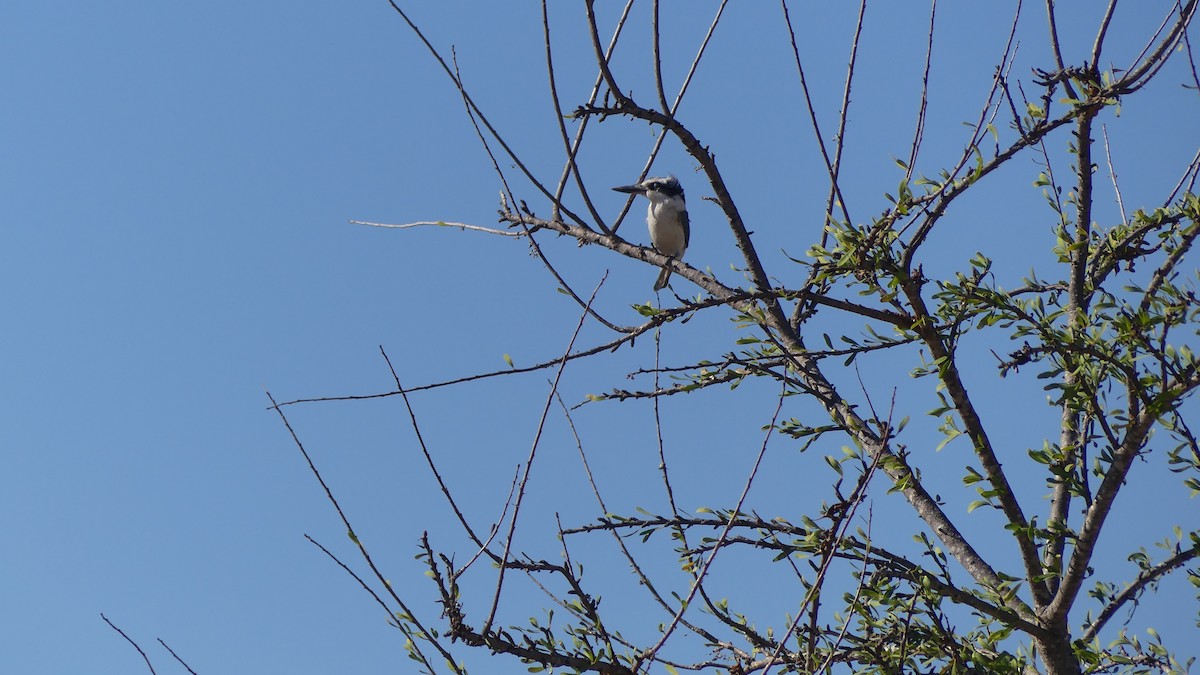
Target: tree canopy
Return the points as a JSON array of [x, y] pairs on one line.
[[967, 364]]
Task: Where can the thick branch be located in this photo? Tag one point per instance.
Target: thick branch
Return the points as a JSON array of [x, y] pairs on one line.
[[1079, 295], [973, 424], [1097, 513]]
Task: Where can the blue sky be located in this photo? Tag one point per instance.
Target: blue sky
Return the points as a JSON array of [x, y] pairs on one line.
[[177, 183]]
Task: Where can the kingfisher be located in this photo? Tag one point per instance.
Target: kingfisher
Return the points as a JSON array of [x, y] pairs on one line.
[[667, 218]]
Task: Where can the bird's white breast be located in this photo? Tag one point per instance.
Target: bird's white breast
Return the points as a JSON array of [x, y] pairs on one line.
[[666, 230]]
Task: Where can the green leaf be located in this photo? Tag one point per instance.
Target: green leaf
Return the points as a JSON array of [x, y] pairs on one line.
[[972, 476], [836, 465], [951, 434]]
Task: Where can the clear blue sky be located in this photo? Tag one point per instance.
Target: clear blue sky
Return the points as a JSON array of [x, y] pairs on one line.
[[175, 185]]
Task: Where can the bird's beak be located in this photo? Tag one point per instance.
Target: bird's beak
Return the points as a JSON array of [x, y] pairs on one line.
[[631, 189]]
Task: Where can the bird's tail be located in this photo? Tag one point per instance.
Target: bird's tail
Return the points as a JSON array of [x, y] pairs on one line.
[[663, 277]]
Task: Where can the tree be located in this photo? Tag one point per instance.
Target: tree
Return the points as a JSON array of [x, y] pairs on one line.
[[1100, 328]]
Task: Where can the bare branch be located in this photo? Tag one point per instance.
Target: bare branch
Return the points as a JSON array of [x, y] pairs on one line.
[[130, 641], [1144, 578], [675, 621], [1056, 45], [476, 112], [919, 129], [362, 549], [835, 193], [524, 482], [438, 223], [1112, 173], [1144, 68], [844, 113], [412, 417], [172, 651], [1099, 44]]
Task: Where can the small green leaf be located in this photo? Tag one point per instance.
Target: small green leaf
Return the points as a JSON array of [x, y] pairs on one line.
[[834, 464], [972, 476]]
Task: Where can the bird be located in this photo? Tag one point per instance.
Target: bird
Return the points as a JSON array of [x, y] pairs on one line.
[[667, 218]]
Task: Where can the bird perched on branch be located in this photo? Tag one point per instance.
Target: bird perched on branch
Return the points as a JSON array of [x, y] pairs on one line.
[[667, 218]]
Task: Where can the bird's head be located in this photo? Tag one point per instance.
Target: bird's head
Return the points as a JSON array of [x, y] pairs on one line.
[[655, 189]]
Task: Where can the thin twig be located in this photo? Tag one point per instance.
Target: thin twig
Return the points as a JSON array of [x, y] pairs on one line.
[[476, 111], [572, 146], [1191, 57], [835, 192], [1112, 173], [181, 661], [130, 641], [495, 529], [439, 223], [353, 575], [716, 547], [512, 525], [643, 580], [1144, 69], [919, 131], [841, 529], [412, 417], [362, 549], [1188, 178], [1056, 45], [839, 142], [1101, 32], [657, 56]]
